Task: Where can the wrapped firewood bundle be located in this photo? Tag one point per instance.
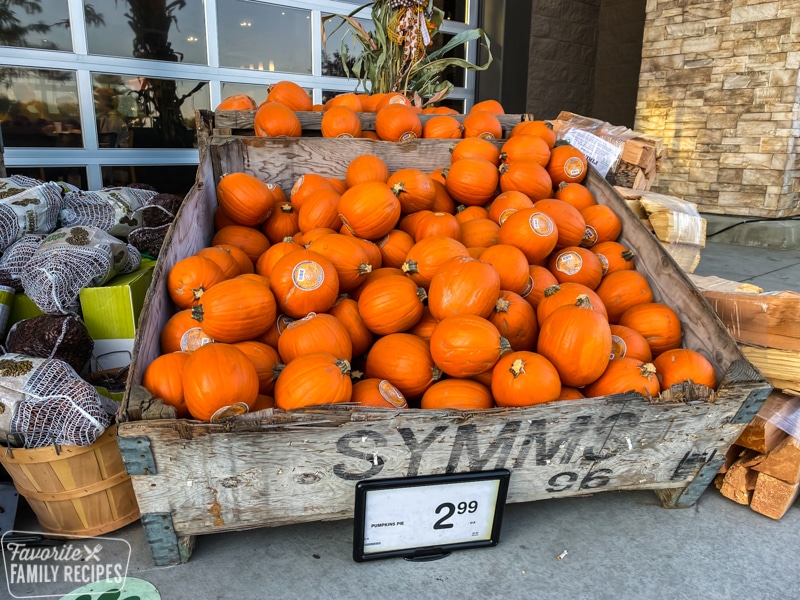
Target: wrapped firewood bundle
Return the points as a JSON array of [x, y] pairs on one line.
[[43, 401]]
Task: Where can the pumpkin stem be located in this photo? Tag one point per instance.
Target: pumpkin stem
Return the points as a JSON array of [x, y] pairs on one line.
[[410, 267], [445, 172], [583, 301], [503, 168], [277, 370], [197, 293], [398, 188], [197, 313], [505, 346], [286, 207], [356, 375], [344, 365], [364, 268], [562, 185], [647, 370], [501, 305], [422, 294], [436, 373], [503, 156], [288, 238], [461, 208], [628, 255], [549, 291], [517, 367]]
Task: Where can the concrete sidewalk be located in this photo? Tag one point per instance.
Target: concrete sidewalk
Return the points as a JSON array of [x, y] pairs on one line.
[[621, 545]]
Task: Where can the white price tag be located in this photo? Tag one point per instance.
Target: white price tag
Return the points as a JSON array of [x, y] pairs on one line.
[[602, 155], [424, 516]]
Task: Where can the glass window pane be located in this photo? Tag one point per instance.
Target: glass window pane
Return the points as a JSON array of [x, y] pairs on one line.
[[145, 112], [453, 103], [255, 91], [167, 179], [264, 37], [171, 31], [42, 24], [39, 108], [74, 175], [454, 10], [455, 75], [331, 49]]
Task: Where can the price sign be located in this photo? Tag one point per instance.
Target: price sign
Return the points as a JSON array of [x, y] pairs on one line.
[[424, 517]]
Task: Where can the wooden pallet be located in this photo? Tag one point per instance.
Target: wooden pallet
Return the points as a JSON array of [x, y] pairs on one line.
[[193, 478]]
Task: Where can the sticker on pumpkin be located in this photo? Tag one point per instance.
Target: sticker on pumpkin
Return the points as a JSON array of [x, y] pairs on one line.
[[398, 99], [528, 287], [540, 224], [345, 135], [226, 412], [298, 184], [505, 214], [569, 263], [391, 394], [408, 135], [603, 262], [283, 322], [347, 225], [589, 237], [486, 135], [618, 347], [194, 338], [308, 275], [573, 166]]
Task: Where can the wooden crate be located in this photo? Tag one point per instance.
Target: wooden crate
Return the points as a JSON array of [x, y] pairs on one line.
[[194, 478]]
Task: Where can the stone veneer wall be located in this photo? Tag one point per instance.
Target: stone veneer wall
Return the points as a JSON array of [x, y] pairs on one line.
[[720, 84]]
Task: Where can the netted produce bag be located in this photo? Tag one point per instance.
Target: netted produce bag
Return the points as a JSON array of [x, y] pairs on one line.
[[64, 337], [73, 258], [32, 209], [15, 259], [114, 210], [155, 218], [43, 401]]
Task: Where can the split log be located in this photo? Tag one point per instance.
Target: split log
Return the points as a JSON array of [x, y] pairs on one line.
[[773, 497]]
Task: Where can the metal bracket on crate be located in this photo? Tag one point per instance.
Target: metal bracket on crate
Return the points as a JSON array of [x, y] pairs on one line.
[[167, 547], [137, 455], [750, 407]]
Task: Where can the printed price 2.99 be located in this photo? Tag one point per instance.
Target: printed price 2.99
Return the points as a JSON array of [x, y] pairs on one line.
[[449, 509]]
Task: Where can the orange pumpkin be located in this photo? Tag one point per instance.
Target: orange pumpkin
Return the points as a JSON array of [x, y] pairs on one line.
[[457, 394], [375, 274], [319, 210], [190, 278], [409, 222], [164, 379], [245, 199], [404, 360], [470, 213], [427, 255], [577, 340], [539, 128], [282, 223], [267, 260], [570, 393], [613, 256], [391, 98], [379, 393], [304, 281], [569, 222], [507, 203], [475, 147], [463, 286], [628, 343], [621, 290], [348, 256], [238, 309], [222, 219], [480, 233], [443, 127], [567, 164], [177, 325], [394, 247], [482, 124], [575, 194], [425, 326], [681, 364], [490, 106], [390, 304], [315, 333], [466, 345], [223, 259], [531, 231], [657, 323], [305, 185], [237, 102], [602, 225], [265, 359], [472, 181], [511, 265], [237, 254], [313, 379], [526, 176], [216, 376], [346, 310], [625, 375], [341, 122], [523, 379], [248, 239], [369, 210], [577, 265], [366, 168], [438, 224], [515, 319], [348, 99], [566, 294], [413, 188], [442, 202], [290, 95], [397, 123], [274, 119], [528, 147], [540, 279]]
